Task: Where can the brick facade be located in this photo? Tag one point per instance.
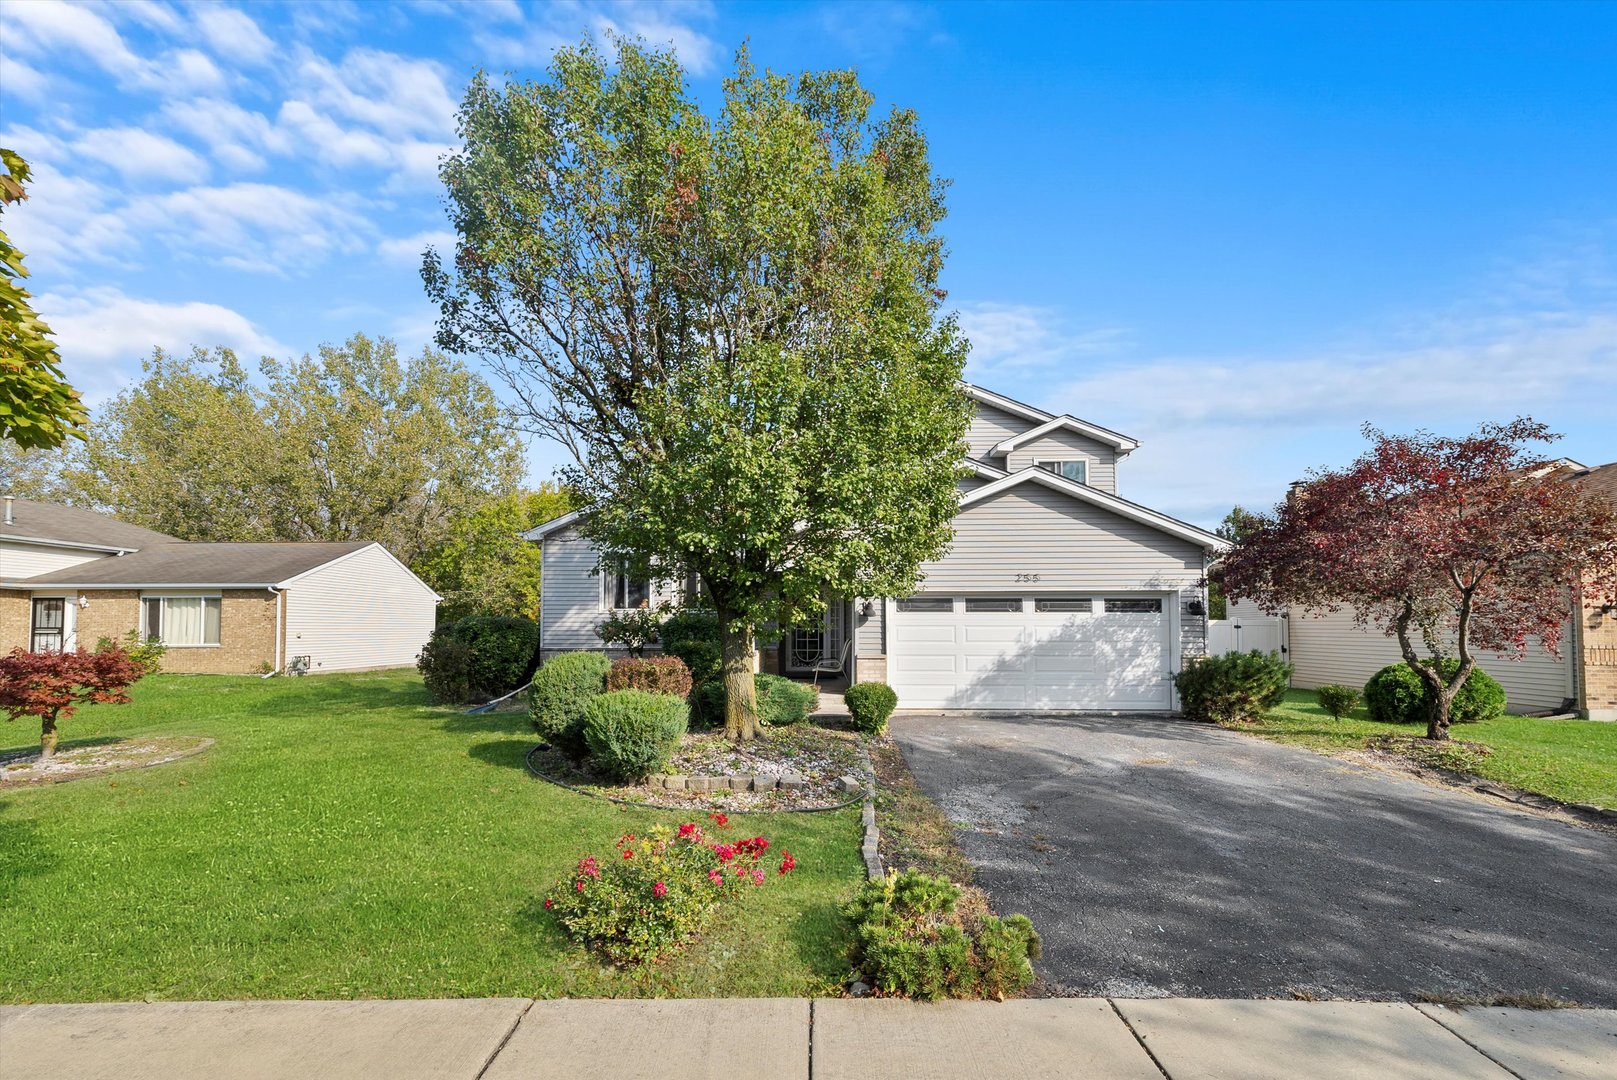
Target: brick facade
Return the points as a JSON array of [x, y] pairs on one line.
[[246, 628], [1597, 675]]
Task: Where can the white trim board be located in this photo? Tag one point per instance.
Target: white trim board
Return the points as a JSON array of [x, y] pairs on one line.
[[1122, 507], [1122, 443]]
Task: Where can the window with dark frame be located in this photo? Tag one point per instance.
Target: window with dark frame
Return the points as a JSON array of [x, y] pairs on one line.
[[620, 591], [933, 604], [180, 621], [994, 603], [1064, 603], [1133, 605]]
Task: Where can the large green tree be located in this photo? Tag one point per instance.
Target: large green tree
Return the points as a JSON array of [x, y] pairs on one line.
[[482, 566], [39, 409], [732, 320], [354, 443]]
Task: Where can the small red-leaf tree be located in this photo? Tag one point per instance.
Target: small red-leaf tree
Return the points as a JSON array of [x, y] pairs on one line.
[[1459, 543], [52, 686]]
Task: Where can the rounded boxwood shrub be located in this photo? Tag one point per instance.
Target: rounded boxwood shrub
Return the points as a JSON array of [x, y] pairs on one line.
[[631, 733], [1233, 687], [504, 652], [1337, 700], [655, 675], [1397, 695], [870, 704], [562, 689]]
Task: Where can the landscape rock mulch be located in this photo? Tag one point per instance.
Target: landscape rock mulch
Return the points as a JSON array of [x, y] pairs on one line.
[[812, 758], [23, 769]]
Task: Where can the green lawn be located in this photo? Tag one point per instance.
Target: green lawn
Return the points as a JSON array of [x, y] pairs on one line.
[[344, 838], [1571, 760]]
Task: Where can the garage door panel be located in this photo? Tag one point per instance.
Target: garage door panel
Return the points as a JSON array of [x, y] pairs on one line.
[[1031, 660]]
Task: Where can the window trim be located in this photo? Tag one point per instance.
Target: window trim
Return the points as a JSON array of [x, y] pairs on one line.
[[612, 581], [925, 599], [1082, 463], [1088, 603], [1019, 609], [162, 599], [1110, 600]]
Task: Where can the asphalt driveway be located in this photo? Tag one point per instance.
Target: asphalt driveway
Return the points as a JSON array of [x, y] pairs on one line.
[[1162, 857]]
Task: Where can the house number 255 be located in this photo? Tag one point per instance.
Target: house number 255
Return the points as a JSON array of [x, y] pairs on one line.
[[1027, 579]]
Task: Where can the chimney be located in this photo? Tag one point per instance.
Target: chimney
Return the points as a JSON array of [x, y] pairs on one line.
[[9, 519]]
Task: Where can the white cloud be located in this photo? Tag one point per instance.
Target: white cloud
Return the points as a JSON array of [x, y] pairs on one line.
[[392, 94], [674, 24], [140, 155], [260, 227], [1013, 337], [233, 34], [406, 250], [239, 138], [22, 82], [49, 27], [102, 333]]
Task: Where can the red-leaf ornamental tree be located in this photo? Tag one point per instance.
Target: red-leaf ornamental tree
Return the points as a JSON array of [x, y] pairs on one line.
[[1455, 543], [52, 686]]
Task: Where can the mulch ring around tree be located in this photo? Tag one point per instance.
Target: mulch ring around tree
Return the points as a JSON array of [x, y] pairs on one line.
[[800, 767], [23, 769]]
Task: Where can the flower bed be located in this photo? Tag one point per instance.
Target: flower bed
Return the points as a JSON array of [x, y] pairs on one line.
[[654, 893], [792, 768]]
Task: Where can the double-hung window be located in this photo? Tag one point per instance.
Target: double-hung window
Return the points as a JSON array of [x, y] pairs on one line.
[[180, 620], [1077, 470], [620, 591]]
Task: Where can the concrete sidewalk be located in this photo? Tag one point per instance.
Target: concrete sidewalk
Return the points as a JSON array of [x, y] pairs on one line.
[[791, 1039]]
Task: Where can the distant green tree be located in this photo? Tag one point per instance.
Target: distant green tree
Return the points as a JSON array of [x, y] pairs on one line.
[[38, 407], [734, 322], [482, 566], [1237, 525]]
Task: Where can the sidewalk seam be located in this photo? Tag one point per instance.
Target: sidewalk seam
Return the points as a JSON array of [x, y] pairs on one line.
[[512, 1030], [811, 1040], [1467, 1041], [1137, 1038]]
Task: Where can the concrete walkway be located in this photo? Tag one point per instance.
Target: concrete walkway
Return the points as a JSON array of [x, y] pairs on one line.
[[790, 1039]]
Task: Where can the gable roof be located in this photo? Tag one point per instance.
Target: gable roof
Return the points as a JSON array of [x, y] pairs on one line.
[[69, 526], [555, 524], [1095, 497], [1045, 422], [190, 565]]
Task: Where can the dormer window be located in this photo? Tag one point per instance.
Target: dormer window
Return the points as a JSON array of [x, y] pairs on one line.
[[1074, 470]]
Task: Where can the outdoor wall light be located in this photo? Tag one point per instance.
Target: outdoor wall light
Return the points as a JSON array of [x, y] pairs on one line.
[[1196, 607], [84, 602], [868, 608]]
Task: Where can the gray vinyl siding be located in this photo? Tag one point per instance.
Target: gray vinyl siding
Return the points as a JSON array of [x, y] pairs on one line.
[[20, 560], [1063, 445], [1068, 543], [362, 611], [569, 593], [870, 631], [1331, 649], [570, 603], [990, 425], [970, 483]]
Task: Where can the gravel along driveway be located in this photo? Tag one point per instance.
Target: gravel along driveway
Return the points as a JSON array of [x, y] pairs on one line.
[[1161, 857]]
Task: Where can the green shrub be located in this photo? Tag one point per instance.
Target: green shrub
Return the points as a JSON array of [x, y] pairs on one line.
[[1396, 695], [693, 635], [562, 689], [649, 904], [633, 629], [446, 668], [657, 675], [1337, 700], [632, 734], [910, 938], [781, 702], [870, 704], [1233, 687], [147, 652], [504, 652]]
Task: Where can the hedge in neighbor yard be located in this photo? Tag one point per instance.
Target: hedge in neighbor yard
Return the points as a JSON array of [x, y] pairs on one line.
[[478, 658], [1397, 695]]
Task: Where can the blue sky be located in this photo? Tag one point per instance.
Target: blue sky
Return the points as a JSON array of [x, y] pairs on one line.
[[1235, 232]]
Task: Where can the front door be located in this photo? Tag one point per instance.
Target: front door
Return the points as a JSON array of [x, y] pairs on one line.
[[819, 645], [49, 624]]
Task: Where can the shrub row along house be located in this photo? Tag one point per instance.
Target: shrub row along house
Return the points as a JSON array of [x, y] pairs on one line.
[[1057, 593], [69, 577]]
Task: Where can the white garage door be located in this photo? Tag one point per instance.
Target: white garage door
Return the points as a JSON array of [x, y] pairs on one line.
[[1050, 652]]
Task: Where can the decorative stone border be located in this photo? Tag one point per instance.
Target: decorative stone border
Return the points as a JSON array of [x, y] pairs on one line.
[[869, 850], [527, 761]]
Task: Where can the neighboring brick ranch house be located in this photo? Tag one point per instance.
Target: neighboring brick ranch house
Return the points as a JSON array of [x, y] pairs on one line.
[[1058, 594], [69, 577], [1583, 678]]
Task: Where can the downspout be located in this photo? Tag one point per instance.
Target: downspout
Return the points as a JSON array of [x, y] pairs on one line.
[[279, 604]]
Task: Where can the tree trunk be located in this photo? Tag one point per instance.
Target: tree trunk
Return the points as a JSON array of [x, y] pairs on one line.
[[740, 691], [1439, 698], [47, 738]]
